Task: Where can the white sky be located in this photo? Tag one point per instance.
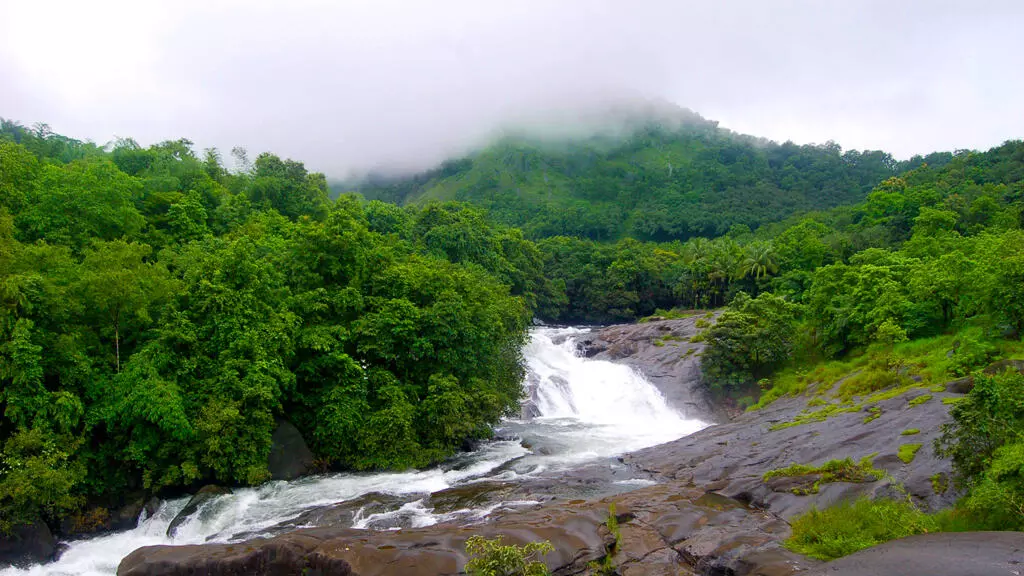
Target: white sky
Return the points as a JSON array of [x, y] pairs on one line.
[[352, 85]]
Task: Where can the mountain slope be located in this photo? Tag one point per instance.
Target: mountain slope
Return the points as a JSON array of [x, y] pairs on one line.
[[664, 179]]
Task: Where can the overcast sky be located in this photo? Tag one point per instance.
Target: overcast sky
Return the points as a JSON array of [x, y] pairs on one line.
[[351, 85]]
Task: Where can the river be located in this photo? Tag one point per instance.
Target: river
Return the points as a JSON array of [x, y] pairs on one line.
[[589, 411]]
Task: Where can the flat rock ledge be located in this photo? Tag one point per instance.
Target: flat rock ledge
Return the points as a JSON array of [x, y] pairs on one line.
[[664, 529]]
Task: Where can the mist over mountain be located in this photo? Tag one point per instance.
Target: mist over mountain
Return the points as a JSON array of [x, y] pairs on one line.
[[647, 170]]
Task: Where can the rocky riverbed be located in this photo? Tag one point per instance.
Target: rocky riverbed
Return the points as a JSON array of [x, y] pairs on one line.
[[710, 510]]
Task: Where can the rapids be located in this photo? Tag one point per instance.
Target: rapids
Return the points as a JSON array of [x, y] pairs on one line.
[[584, 411]]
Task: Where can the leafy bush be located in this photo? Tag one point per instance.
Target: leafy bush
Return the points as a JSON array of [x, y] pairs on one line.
[[988, 456], [491, 558], [969, 355], [751, 338]]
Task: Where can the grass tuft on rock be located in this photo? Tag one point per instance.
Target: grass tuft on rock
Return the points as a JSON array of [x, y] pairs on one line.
[[907, 452], [910, 432], [845, 470], [919, 400]]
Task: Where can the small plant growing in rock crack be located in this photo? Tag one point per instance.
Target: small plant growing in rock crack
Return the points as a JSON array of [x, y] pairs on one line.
[[491, 558], [604, 567]]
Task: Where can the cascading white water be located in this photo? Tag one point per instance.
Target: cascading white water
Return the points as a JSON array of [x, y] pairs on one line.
[[613, 400], [588, 409]]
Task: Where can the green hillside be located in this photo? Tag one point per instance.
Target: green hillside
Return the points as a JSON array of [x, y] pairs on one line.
[[665, 179]]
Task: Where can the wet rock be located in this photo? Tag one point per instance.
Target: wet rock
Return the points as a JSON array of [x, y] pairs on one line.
[[291, 554], [723, 536], [663, 352], [289, 457], [732, 458], [204, 495], [942, 554], [471, 496], [152, 505], [342, 514], [28, 544]]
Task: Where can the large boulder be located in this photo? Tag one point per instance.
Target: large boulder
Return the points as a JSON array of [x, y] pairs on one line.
[[204, 495], [28, 544], [99, 520], [290, 457]]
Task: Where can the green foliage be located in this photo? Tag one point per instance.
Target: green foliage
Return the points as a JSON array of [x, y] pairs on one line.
[[851, 526], [969, 355], [492, 558], [606, 566], [983, 441], [910, 432], [750, 339], [668, 178], [159, 314], [907, 452]]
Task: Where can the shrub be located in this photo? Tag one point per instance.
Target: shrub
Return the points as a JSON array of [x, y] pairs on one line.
[[491, 558], [749, 341], [847, 527], [984, 443], [969, 354]]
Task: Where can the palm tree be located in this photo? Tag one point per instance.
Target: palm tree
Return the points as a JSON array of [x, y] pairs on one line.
[[759, 260]]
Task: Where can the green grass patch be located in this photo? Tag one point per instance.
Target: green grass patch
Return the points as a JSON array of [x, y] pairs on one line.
[[910, 432], [845, 470], [808, 416], [952, 399], [873, 413], [907, 452], [673, 314], [880, 370], [847, 527], [919, 400], [940, 483]]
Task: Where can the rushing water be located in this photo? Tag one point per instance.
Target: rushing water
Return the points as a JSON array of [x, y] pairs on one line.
[[588, 410]]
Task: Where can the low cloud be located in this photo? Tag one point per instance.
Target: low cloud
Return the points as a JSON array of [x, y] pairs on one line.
[[359, 85]]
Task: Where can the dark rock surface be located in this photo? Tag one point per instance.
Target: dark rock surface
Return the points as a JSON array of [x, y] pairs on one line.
[[731, 458], [204, 495], [665, 529], [290, 457], [662, 351], [97, 520], [950, 554], [29, 544]]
